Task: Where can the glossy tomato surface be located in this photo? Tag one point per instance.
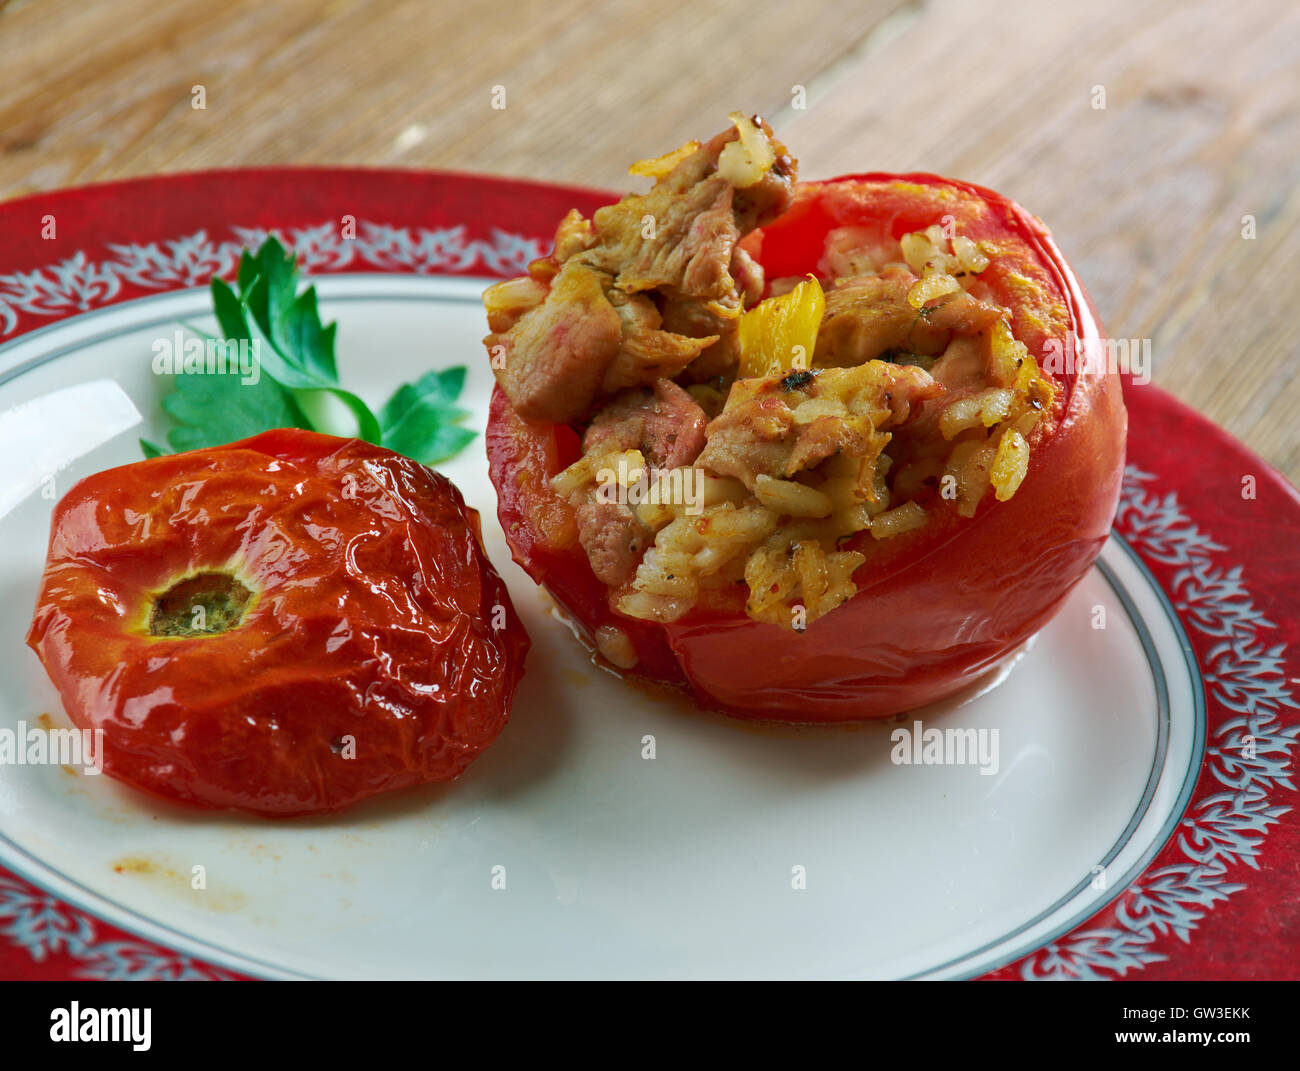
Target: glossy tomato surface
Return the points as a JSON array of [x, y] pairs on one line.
[[936, 608], [368, 646]]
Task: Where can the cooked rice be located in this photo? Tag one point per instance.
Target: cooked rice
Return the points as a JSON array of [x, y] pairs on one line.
[[615, 646]]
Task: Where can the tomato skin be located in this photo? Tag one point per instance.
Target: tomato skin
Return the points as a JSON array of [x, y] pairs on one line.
[[372, 620], [936, 608]]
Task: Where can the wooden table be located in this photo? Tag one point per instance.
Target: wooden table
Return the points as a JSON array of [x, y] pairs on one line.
[[1147, 195]]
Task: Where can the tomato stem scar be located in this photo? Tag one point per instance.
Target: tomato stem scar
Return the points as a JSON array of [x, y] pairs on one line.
[[221, 599]]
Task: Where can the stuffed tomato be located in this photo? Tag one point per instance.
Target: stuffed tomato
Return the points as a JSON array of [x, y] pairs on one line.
[[816, 452]]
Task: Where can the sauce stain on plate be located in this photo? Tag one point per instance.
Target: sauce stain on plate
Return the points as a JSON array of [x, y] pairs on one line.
[[179, 879]]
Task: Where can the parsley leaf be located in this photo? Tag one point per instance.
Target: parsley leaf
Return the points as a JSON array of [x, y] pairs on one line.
[[297, 383], [420, 419], [245, 409]]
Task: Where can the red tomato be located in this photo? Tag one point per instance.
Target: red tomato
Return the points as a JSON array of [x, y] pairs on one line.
[[936, 608], [283, 625]]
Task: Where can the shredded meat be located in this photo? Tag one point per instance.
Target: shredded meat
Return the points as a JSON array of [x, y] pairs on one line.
[[665, 264]]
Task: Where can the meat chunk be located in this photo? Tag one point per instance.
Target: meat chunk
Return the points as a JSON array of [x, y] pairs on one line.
[[677, 238], [865, 317], [750, 437], [964, 365], [962, 313], [553, 360], [574, 235], [666, 425], [584, 340], [673, 248], [680, 238], [869, 316], [646, 352], [613, 538], [780, 425], [748, 274]]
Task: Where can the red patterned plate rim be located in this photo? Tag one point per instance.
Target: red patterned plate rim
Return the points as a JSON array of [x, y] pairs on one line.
[[1216, 901]]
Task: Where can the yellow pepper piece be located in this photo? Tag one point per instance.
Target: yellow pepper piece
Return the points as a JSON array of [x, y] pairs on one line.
[[658, 166], [781, 333]]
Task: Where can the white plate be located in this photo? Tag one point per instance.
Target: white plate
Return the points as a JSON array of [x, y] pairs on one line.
[[684, 865]]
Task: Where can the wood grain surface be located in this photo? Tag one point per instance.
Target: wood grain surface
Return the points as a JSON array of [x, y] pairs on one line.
[[1147, 195]]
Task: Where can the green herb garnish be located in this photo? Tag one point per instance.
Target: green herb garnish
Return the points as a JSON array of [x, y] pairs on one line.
[[297, 381]]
